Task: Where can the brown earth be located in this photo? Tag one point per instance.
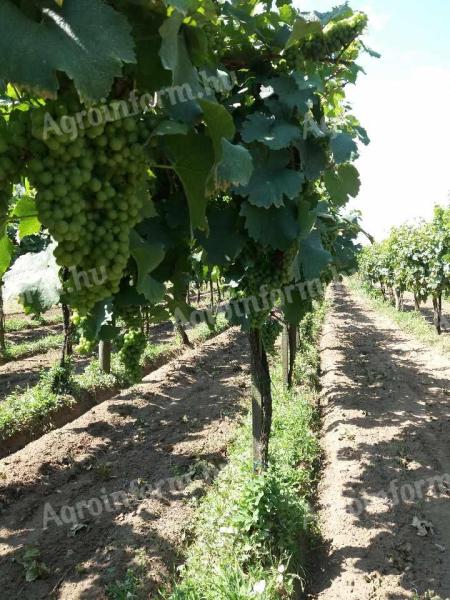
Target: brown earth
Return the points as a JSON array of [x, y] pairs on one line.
[[386, 431], [181, 418]]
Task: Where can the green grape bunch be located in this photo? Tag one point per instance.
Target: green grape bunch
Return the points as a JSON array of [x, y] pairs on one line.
[[130, 354], [89, 197], [216, 43], [267, 267], [270, 332], [14, 141], [335, 37]]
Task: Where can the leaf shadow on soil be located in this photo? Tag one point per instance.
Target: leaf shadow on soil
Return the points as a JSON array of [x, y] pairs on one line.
[[160, 437], [389, 390]]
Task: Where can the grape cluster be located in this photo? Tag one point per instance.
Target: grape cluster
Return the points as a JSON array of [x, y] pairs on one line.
[[89, 197], [265, 267], [335, 37], [130, 354], [290, 60], [13, 147], [216, 42], [270, 331], [271, 268], [84, 346]]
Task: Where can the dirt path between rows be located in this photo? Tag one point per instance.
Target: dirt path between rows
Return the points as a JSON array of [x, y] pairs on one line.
[[178, 421], [386, 440]]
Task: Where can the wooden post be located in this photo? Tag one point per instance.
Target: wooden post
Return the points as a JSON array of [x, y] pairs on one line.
[[2, 321], [416, 302], [67, 329], [285, 356], [437, 313], [261, 401], [184, 336], [292, 336], [211, 292], [104, 356]]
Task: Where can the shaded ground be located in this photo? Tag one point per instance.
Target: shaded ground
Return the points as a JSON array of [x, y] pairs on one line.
[[180, 418], [386, 428]]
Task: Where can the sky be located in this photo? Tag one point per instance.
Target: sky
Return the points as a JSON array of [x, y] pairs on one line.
[[403, 102]]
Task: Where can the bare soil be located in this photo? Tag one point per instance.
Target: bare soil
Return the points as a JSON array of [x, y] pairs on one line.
[[181, 416], [386, 431]]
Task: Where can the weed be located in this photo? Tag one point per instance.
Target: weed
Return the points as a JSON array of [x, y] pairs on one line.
[[34, 569], [26, 349]]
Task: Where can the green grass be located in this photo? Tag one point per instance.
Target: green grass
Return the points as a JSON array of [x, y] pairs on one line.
[[250, 531], [14, 324], [22, 411], [26, 410], [27, 349], [411, 322]]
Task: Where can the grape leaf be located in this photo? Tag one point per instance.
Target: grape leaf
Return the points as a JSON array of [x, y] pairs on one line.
[[306, 217], [26, 210], [220, 128], [148, 256], [296, 307], [344, 148], [6, 252], [271, 179], [313, 157], [312, 257], [301, 30], [275, 227], [153, 290], [220, 125], [343, 183], [28, 226], [276, 133], [185, 83], [336, 14], [100, 317], [370, 52], [86, 39], [192, 158], [290, 94], [170, 128], [25, 207], [236, 166], [224, 241], [345, 253]]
